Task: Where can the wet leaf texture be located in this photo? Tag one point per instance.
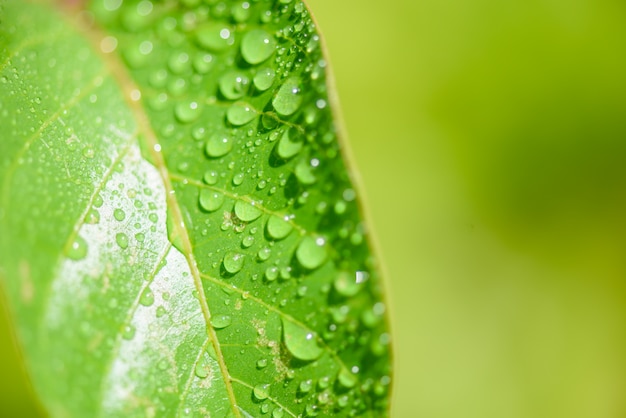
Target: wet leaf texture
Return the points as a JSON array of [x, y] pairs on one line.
[[180, 235]]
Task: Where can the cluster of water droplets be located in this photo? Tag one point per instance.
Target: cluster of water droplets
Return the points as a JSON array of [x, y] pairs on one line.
[[236, 95]]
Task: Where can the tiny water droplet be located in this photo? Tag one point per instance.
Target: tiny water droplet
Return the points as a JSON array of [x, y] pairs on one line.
[[128, 332], [247, 241], [202, 368], [271, 273], [215, 36], [210, 177], [305, 386], [262, 363]]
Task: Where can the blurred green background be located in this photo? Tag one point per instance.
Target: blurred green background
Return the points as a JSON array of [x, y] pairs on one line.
[[491, 140]]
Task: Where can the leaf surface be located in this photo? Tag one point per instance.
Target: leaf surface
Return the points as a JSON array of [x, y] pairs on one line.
[[180, 235]]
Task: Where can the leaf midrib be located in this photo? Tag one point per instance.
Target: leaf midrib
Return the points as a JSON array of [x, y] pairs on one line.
[[126, 84]]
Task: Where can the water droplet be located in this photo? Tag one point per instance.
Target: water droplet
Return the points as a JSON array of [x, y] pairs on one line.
[[288, 98], [347, 284], [215, 36], [162, 364], [278, 413], [277, 227], [241, 11], [128, 332], [240, 113], [261, 391], [247, 212], [305, 386], [160, 311], [233, 85], [218, 145], [210, 177], [122, 240], [147, 297], [210, 200], [221, 321], [202, 368], [301, 342], [119, 214], [233, 262], [311, 252], [257, 46], [264, 253], [261, 364], [290, 144], [346, 378], [304, 173], [187, 112], [78, 249], [264, 78], [271, 273], [324, 382], [247, 241]]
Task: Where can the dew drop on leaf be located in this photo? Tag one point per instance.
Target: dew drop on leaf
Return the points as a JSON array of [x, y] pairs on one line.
[[240, 113], [277, 227], [261, 391], [119, 214], [187, 112], [257, 46], [233, 85], [247, 212], [221, 321], [346, 378], [311, 252], [122, 240], [233, 262], [218, 145], [147, 297], [214, 36], [301, 342], [264, 79], [78, 249], [210, 200], [347, 284], [289, 145], [288, 98], [264, 253]]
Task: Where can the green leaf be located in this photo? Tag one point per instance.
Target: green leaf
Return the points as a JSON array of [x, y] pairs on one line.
[[179, 233]]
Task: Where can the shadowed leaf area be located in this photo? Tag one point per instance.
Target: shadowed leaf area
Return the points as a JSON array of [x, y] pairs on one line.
[[179, 233]]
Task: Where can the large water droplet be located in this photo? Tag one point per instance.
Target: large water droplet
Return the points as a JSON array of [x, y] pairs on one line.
[[78, 249], [233, 85], [257, 46], [277, 227], [128, 332], [311, 252], [264, 79], [290, 144], [210, 200], [301, 342], [240, 113], [218, 146], [261, 391], [288, 98], [233, 262], [247, 212]]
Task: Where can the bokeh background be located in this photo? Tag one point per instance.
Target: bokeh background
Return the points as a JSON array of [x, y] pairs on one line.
[[491, 141]]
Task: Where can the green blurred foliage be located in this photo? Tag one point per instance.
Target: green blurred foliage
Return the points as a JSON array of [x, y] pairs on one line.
[[491, 140]]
